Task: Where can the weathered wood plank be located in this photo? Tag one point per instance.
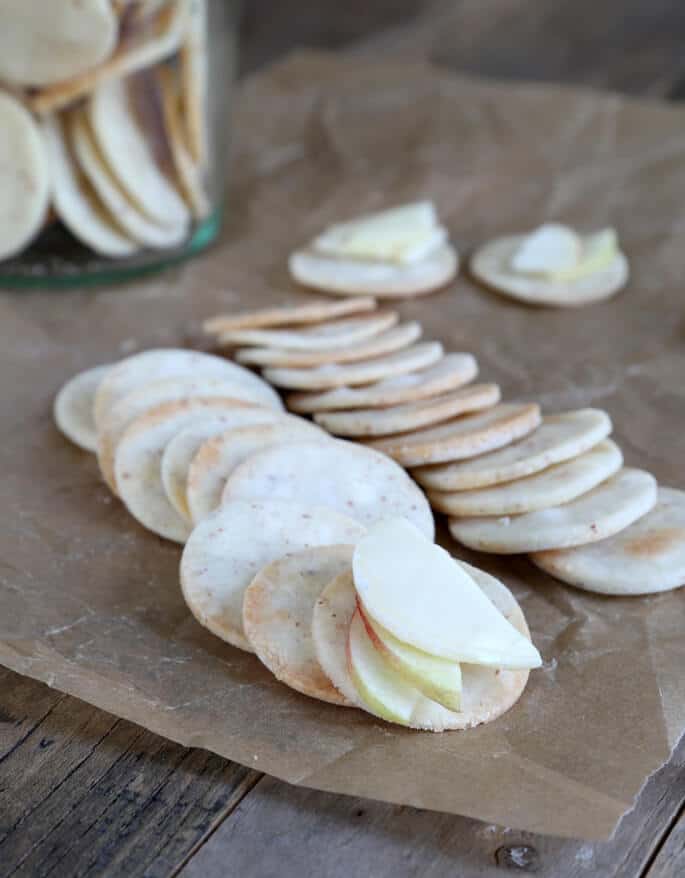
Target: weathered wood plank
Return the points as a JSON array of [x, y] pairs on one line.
[[85, 793], [670, 860], [17, 721], [280, 831]]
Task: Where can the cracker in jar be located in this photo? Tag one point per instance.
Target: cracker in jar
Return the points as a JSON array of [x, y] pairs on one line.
[[125, 213], [194, 77], [188, 172], [151, 39], [76, 202], [128, 128], [42, 44], [24, 177]]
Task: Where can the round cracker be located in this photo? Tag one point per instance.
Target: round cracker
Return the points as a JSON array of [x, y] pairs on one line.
[[350, 478], [336, 334], [381, 279], [226, 551], [462, 437], [24, 176], [559, 437], [157, 35], [277, 617], [138, 226], [411, 415], [194, 56], [126, 145], [135, 404], [364, 372], [75, 200], [487, 693], [645, 558], [73, 407], [331, 620], [219, 457], [179, 453], [554, 486], [491, 265], [137, 464], [160, 363], [286, 315], [45, 43], [449, 373], [188, 172], [602, 512], [387, 342]]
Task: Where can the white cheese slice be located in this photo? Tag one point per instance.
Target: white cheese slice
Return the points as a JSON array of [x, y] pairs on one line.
[[402, 234], [549, 249]]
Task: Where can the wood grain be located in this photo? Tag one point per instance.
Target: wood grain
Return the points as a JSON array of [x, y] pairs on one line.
[[670, 859], [82, 793], [293, 831]]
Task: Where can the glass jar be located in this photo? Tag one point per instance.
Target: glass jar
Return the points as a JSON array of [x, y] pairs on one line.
[[113, 135]]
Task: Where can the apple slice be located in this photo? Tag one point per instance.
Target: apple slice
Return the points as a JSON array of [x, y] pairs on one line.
[[437, 678], [547, 250], [402, 234], [380, 688], [419, 593], [598, 252]]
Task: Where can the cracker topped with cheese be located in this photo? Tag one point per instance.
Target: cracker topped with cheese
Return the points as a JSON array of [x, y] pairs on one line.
[[554, 265], [400, 252]]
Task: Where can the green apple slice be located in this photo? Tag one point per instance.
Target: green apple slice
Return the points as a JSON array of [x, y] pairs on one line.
[[438, 679], [401, 234], [549, 249], [422, 596], [380, 688], [598, 252]]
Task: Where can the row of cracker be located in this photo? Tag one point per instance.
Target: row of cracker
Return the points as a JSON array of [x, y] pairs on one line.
[[175, 431], [118, 151], [200, 449], [510, 480]]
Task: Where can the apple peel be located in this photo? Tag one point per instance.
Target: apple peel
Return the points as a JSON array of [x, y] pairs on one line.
[[436, 678]]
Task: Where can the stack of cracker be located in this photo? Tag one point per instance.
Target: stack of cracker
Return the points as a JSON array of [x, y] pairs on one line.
[[510, 479], [103, 105]]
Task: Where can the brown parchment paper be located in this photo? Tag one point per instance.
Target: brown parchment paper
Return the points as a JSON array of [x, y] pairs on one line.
[[90, 603]]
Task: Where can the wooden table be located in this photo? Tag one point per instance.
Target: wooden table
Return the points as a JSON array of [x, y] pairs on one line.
[[83, 793]]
